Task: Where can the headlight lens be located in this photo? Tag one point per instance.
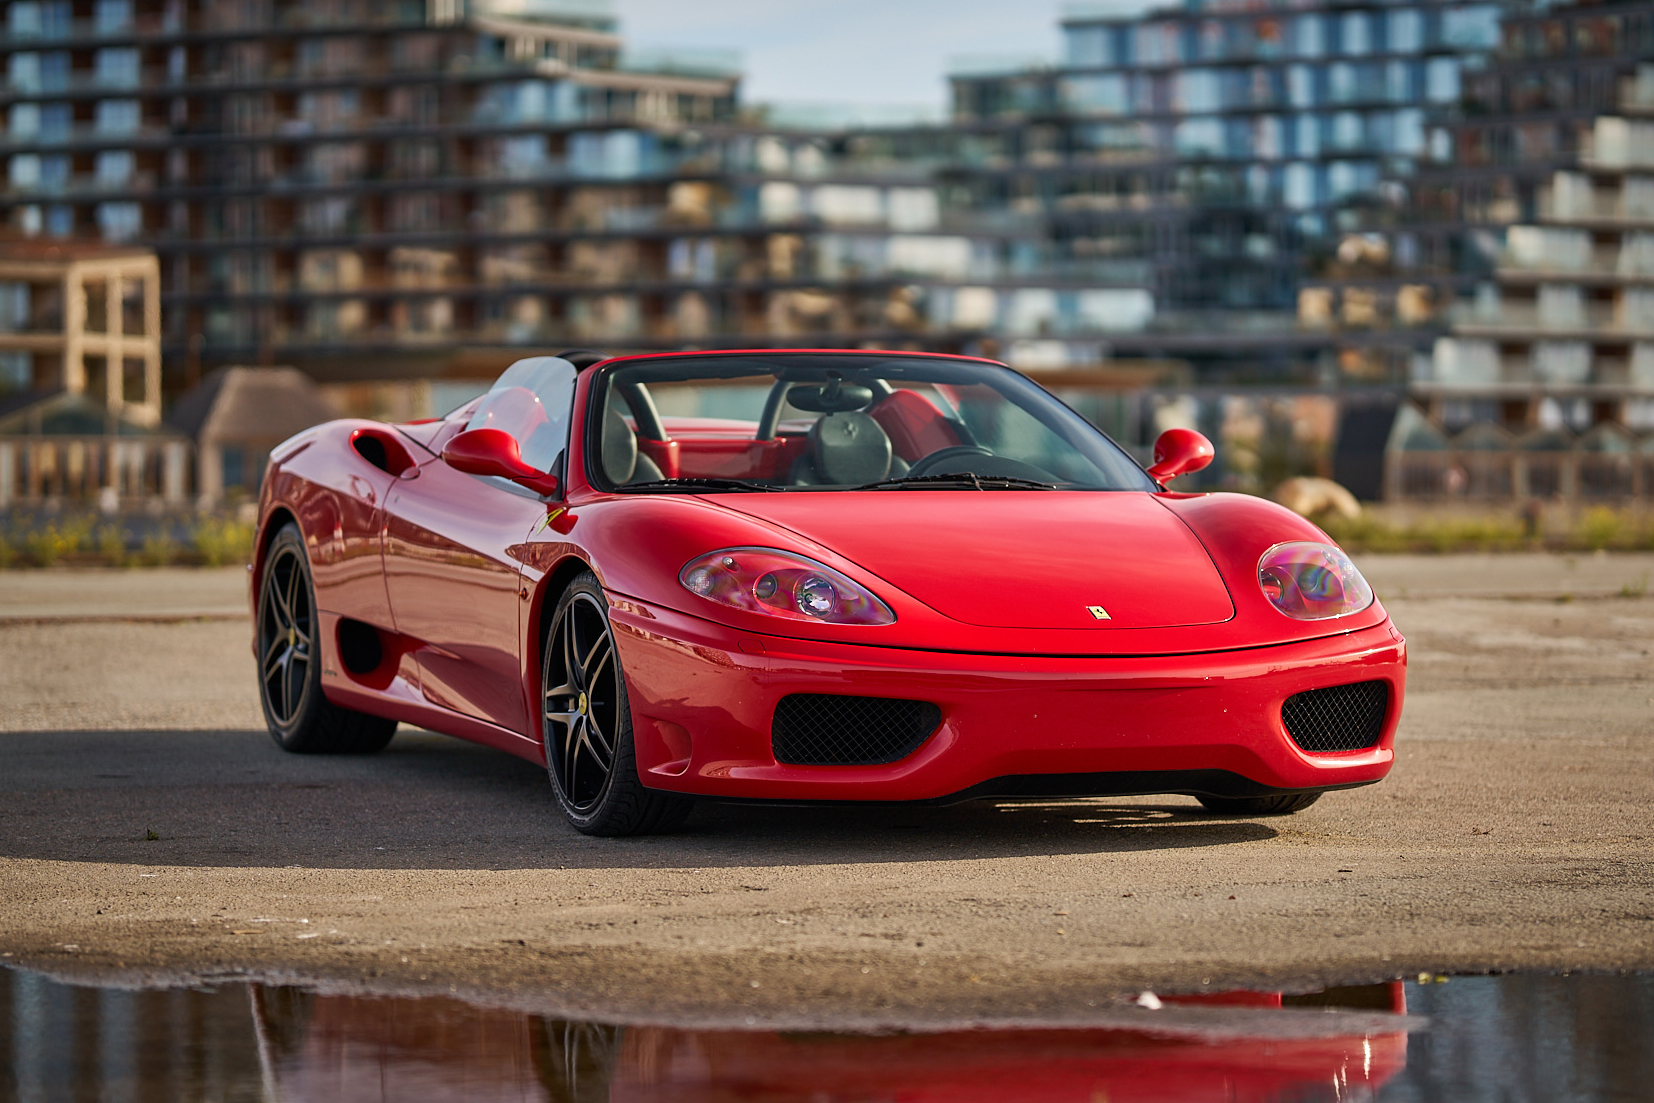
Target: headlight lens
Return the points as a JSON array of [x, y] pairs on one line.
[[781, 584], [1311, 581]]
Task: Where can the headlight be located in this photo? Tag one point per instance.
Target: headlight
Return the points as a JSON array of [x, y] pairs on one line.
[[1310, 581], [781, 584]]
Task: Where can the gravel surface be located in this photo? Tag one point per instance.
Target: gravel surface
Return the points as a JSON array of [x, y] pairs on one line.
[[1516, 832]]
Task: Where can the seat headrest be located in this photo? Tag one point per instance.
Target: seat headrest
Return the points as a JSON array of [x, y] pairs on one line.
[[619, 447], [849, 447]]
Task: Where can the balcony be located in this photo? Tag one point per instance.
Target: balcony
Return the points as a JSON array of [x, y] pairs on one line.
[[1616, 209], [1599, 322]]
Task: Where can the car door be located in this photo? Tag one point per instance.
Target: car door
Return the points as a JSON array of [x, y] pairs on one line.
[[450, 553]]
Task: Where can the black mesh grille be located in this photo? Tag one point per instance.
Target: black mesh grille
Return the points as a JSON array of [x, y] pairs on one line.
[[823, 729], [1339, 718]]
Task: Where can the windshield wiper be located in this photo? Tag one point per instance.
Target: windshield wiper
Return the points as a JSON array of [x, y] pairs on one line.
[[691, 485], [961, 481]]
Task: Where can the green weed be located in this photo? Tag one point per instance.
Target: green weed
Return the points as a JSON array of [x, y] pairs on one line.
[[221, 540], [111, 545], [158, 550]]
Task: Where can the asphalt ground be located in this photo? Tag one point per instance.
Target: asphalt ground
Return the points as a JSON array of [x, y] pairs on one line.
[[1516, 832]]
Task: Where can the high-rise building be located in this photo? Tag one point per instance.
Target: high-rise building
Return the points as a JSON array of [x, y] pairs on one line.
[[1218, 146], [327, 179], [1544, 387]]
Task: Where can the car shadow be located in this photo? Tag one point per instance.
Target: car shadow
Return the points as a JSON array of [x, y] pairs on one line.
[[233, 798]]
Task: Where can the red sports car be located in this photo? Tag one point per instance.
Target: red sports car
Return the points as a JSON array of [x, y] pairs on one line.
[[808, 576]]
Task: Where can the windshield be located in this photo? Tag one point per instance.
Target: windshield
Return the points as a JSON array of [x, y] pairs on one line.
[[840, 421]]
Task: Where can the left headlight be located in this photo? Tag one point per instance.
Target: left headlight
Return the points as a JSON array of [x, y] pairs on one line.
[[782, 584], [1312, 581]]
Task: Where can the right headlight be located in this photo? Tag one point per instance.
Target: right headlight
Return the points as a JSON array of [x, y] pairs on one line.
[[1312, 581], [782, 584]]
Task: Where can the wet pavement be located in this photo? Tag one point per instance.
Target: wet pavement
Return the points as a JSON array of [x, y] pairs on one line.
[[1509, 1039]]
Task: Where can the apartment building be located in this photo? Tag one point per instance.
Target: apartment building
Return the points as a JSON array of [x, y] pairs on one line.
[[1219, 146], [1545, 386], [1434, 234], [350, 179]]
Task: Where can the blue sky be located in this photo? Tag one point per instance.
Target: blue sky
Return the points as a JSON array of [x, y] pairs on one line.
[[849, 51]]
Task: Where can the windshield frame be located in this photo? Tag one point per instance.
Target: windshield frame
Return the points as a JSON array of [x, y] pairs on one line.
[[599, 383]]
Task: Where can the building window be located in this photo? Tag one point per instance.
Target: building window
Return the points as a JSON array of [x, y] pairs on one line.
[[1398, 82], [1406, 32], [115, 168], [1159, 44], [14, 306], [1197, 90], [25, 171], [25, 120], [1300, 185], [1441, 80], [1309, 136], [1341, 87], [1090, 47], [1474, 28], [16, 371], [1311, 41], [1353, 30], [1301, 85], [120, 221], [60, 220], [54, 72], [23, 70], [116, 68], [1096, 95], [116, 117], [1346, 130], [1199, 138], [114, 16]]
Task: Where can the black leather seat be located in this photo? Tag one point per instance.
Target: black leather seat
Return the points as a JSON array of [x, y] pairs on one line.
[[622, 462], [847, 448]]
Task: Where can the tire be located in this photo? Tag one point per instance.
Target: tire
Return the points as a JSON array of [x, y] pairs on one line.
[[1282, 805], [586, 725], [300, 717]]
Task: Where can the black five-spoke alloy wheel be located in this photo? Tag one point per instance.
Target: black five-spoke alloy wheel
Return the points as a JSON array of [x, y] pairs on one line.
[[300, 717], [587, 727]]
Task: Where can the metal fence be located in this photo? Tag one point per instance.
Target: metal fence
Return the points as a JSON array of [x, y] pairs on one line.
[[113, 471], [1494, 476]]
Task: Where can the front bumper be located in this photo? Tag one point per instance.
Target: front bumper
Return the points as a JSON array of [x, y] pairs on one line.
[[703, 698]]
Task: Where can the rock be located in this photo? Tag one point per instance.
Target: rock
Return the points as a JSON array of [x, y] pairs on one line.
[[1309, 497]]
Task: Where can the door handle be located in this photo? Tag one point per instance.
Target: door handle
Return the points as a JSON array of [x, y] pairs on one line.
[[362, 489]]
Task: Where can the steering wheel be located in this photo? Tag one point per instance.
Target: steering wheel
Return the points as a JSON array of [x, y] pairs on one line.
[[928, 465], [970, 459]]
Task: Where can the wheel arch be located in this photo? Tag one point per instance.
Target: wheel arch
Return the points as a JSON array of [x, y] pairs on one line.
[[549, 592], [274, 522]]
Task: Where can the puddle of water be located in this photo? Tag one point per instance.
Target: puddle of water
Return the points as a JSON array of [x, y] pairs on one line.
[[1508, 1039]]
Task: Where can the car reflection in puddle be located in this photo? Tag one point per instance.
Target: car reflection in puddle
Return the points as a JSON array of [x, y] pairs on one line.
[[1481, 1039]]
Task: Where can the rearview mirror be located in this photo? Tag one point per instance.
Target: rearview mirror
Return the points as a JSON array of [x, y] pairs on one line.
[[1178, 452], [496, 452]]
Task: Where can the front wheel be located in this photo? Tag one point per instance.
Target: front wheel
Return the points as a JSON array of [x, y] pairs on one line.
[[300, 717], [587, 725], [1282, 805]]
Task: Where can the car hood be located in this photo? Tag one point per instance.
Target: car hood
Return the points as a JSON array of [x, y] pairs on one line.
[[1017, 559]]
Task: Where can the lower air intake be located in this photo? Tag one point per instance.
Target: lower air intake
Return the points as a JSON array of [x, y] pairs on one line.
[[824, 729], [1338, 718]]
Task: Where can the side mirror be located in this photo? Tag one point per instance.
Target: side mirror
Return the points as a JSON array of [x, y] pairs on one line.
[[496, 452], [1178, 452]]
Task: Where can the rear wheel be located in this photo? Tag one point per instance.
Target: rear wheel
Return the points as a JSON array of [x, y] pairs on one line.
[[587, 725], [300, 717], [1282, 805]]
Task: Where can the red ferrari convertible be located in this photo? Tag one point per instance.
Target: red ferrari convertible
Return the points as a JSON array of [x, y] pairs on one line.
[[807, 576]]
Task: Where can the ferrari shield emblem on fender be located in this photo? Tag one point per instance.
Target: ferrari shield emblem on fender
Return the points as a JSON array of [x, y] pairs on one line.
[[1098, 611]]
